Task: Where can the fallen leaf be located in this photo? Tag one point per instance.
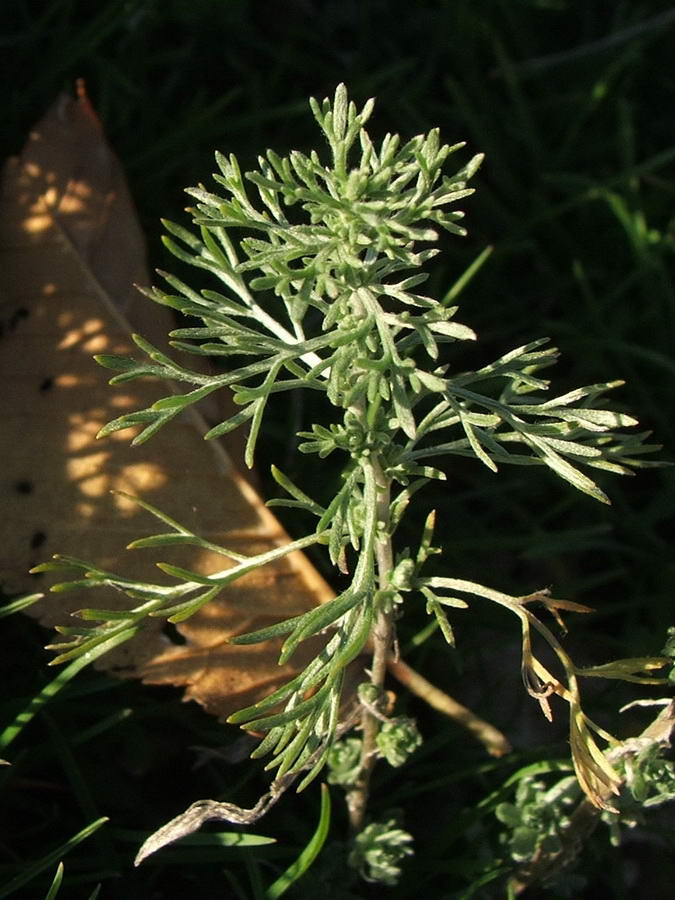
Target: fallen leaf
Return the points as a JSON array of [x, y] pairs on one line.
[[70, 251]]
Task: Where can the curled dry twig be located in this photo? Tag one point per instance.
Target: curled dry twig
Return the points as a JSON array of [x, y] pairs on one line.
[[202, 811], [207, 810]]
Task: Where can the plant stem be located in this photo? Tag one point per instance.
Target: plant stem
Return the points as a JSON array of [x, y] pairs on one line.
[[382, 640]]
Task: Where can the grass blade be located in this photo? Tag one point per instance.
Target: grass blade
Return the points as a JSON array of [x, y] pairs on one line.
[[56, 883], [53, 687], [31, 871], [297, 869]]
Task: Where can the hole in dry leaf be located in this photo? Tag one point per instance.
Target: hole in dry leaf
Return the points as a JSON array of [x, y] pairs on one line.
[[23, 487], [38, 540], [173, 634], [47, 384]]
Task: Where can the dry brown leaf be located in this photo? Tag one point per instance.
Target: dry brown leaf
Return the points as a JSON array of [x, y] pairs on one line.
[[70, 250]]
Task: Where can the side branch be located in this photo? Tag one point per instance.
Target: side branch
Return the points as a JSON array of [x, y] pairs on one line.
[[490, 737]]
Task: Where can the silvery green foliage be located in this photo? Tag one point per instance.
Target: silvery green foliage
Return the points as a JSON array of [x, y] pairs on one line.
[[538, 817], [649, 781], [546, 822], [397, 739], [344, 761], [379, 851], [318, 263], [349, 324]]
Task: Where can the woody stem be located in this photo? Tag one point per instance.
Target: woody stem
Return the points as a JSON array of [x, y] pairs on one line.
[[382, 639]]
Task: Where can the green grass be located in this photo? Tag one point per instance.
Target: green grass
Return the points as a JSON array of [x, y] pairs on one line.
[[572, 102]]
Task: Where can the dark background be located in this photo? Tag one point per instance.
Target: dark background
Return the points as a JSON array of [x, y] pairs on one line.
[[573, 104]]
